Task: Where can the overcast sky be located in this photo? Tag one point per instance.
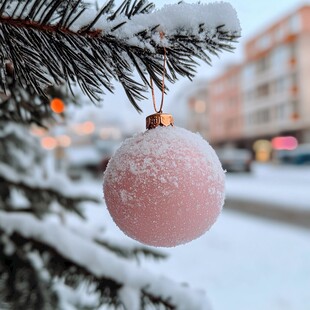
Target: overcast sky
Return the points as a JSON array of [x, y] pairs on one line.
[[254, 15]]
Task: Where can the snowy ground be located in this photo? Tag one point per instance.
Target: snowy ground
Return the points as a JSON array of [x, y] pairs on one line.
[[244, 262], [283, 186]]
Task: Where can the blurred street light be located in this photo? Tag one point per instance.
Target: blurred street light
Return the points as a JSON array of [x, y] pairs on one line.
[[200, 106], [110, 133], [49, 143], [64, 141], [57, 105], [58, 145], [284, 143], [86, 128], [263, 149], [38, 131]]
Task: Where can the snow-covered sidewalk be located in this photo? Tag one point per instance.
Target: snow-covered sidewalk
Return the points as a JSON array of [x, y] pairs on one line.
[[246, 263], [281, 186], [242, 263]]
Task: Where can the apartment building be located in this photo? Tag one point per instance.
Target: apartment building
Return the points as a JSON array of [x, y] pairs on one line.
[[198, 112], [268, 95], [225, 107], [275, 81]]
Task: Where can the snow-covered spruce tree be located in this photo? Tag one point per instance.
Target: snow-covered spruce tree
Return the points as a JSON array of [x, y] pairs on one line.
[[45, 262], [52, 41]]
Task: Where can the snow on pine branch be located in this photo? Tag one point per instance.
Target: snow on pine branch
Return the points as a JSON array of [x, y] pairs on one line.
[[57, 186], [93, 258], [186, 19], [48, 45], [127, 248]]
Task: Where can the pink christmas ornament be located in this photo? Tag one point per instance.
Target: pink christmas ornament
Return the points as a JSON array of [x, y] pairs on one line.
[[164, 187]]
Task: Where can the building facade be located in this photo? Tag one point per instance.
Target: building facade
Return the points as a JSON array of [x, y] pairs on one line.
[[268, 95], [225, 107], [275, 80]]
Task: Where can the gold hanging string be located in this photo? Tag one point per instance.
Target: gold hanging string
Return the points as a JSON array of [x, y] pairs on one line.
[[162, 89]]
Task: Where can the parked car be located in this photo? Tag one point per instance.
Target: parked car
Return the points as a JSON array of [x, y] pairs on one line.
[[235, 160], [299, 156]]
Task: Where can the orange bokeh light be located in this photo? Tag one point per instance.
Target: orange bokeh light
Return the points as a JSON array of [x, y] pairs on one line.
[[64, 141], [49, 143], [88, 128], [57, 105], [38, 131]]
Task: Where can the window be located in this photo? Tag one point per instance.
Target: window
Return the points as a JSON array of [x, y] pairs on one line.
[[232, 101], [263, 91], [263, 64], [280, 57], [283, 111], [280, 111], [279, 34], [294, 24], [295, 106], [280, 85], [265, 116], [250, 95], [292, 50], [264, 42], [248, 72], [249, 120], [293, 79]]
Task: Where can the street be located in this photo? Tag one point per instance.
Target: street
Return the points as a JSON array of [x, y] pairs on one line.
[[257, 254], [270, 212], [276, 192]]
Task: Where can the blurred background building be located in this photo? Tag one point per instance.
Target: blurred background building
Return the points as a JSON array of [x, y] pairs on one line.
[[266, 97]]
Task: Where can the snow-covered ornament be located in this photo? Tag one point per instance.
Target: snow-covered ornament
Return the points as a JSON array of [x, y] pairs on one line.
[[164, 187]]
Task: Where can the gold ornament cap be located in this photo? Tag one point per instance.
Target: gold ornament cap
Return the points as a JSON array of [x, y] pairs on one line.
[[159, 119]]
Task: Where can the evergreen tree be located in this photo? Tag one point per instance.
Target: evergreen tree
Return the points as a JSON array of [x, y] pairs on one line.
[[45, 261]]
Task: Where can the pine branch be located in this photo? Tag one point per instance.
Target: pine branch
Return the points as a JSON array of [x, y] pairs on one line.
[[131, 252], [45, 193], [89, 262], [22, 104], [20, 285], [49, 43], [129, 249]]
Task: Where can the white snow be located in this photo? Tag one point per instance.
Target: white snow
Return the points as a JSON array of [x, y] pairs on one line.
[[243, 262], [246, 263], [130, 298], [171, 18], [181, 18], [187, 17], [152, 146], [79, 156], [279, 185], [72, 299], [93, 257], [18, 200], [58, 183], [9, 246]]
